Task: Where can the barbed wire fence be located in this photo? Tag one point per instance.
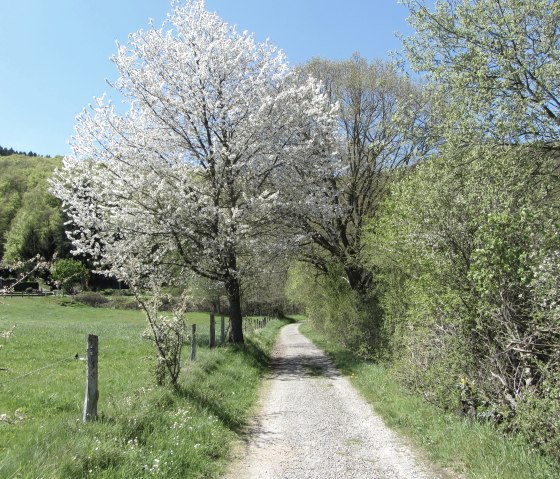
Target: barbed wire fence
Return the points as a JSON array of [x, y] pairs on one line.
[[251, 325], [74, 357], [92, 389]]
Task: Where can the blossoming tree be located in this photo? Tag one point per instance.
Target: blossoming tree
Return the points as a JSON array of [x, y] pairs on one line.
[[218, 135]]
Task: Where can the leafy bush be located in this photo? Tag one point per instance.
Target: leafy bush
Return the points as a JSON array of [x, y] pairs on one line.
[[91, 298], [466, 252], [123, 302], [334, 308], [538, 415], [68, 272]]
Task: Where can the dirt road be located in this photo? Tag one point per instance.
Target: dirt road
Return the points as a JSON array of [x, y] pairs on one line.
[[313, 424]]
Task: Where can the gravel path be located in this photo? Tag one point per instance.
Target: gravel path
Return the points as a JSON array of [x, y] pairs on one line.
[[313, 424]]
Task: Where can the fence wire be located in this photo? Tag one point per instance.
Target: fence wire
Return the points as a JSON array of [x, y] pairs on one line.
[[21, 376]]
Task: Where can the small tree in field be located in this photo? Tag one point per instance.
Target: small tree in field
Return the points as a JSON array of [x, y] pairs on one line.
[[195, 175], [68, 272]]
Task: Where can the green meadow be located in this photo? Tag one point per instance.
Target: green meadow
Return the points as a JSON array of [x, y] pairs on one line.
[[142, 429]]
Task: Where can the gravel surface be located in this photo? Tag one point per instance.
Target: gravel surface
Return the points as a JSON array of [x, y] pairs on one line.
[[313, 424]]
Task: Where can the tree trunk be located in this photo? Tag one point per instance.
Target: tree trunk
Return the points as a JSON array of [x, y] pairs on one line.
[[236, 321], [359, 279]]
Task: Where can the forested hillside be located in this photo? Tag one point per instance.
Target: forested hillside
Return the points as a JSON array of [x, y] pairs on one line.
[[10, 151], [31, 220]]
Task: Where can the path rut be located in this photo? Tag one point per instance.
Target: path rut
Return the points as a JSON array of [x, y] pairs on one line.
[[313, 424]]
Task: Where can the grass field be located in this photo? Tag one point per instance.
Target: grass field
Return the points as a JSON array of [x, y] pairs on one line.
[[474, 450], [143, 430]]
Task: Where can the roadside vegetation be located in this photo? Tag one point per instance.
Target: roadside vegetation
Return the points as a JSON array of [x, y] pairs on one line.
[[462, 248], [460, 445], [142, 429]]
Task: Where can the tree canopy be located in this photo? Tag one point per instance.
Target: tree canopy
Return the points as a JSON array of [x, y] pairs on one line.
[[193, 177], [10, 151], [379, 113], [495, 63]]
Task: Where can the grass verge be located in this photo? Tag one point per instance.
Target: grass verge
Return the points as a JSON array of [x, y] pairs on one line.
[[143, 430], [459, 445]]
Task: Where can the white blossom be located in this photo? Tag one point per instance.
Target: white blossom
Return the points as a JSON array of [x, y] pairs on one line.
[[218, 135]]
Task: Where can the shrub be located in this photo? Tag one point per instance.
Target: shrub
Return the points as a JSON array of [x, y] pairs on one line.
[[538, 415], [466, 251], [334, 308], [167, 332], [123, 302], [68, 272], [91, 298]]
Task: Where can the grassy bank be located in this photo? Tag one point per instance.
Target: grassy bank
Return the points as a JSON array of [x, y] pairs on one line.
[[462, 446], [143, 429]]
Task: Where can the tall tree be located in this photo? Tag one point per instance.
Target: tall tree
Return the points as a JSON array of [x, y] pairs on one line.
[[380, 112], [496, 64], [195, 174]]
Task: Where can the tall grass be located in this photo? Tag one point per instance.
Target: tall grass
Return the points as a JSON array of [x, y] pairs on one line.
[[462, 446], [142, 429]]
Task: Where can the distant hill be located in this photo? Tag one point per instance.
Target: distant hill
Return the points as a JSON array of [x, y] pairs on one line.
[[10, 151]]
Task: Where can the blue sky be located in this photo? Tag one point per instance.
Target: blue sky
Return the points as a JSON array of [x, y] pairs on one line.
[[55, 54]]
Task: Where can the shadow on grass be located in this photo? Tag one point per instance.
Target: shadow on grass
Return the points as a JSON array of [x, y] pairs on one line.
[[257, 353], [346, 361], [214, 406], [254, 355]]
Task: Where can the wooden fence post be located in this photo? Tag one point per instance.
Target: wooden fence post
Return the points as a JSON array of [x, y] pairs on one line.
[[223, 330], [193, 342], [92, 391], [212, 331]]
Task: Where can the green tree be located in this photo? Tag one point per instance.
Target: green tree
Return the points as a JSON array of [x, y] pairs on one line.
[[69, 272], [381, 120], [380, 111], [494, 63], [35, 229], [467, 245], [31, 220]]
